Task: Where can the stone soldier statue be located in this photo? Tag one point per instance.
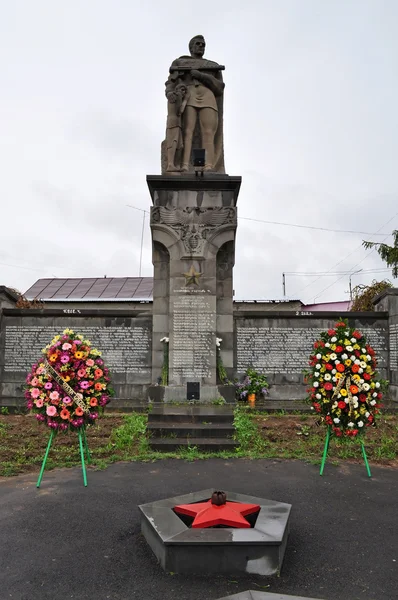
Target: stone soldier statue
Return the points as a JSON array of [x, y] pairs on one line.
[[194, 91]]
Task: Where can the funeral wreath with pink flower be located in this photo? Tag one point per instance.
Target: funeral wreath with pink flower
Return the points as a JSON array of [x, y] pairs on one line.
[[69, 386]]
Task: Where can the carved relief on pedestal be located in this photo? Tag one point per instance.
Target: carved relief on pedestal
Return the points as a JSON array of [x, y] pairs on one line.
[[193, 225]]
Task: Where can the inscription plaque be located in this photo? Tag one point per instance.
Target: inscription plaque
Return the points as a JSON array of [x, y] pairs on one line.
[[394, 346], [124, 349], [287, 349], [193, 336]]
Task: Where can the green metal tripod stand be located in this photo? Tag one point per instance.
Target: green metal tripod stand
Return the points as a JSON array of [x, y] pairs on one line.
[[326, 449], [83, 445]]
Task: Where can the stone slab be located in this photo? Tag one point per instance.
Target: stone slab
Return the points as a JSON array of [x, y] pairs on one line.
[[180, 549], [179, 393], [188, 181]]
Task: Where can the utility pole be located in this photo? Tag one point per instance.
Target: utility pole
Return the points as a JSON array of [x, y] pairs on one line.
[[284, 285], [142, 231], [349, 280]]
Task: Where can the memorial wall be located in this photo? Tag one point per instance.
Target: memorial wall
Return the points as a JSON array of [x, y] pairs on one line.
[[125, 342], [276, 344], [279, 345]]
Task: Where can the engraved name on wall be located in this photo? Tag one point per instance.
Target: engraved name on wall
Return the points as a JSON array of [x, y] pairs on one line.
[[287, 349], [193, 335], [394, 346], [124, 349]]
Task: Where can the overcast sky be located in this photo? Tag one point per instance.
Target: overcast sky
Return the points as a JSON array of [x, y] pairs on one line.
[[310, 122]]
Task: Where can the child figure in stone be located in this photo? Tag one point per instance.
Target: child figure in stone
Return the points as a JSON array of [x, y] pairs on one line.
[[177, 101]]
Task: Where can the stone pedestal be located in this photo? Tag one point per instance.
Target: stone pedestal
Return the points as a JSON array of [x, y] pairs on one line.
[[193, 226]]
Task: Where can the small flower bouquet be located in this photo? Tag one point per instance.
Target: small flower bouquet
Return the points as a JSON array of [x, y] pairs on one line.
[[70, 386], [252, 383], [343, 383]]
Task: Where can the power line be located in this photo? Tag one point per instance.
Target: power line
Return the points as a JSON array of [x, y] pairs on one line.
[[288, 224], [331, 273], [140, 209], [308, 226], [19, 267], [348, 255], [358, 263]]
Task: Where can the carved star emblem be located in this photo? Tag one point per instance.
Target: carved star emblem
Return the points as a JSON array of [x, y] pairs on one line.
[[231, 514], [192, 276]]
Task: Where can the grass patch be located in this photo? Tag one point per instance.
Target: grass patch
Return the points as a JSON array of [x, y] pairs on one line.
[[131, 434], [247, 433], [120, 437]]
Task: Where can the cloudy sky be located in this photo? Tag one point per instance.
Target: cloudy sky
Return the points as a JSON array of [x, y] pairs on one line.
[[311, 105]]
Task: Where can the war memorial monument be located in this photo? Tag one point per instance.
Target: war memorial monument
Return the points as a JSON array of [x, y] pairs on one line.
[[193, 225], [168, 345]]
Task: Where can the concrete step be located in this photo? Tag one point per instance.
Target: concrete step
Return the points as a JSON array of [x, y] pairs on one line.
[[182, 429], [193, 414], [202, 444]]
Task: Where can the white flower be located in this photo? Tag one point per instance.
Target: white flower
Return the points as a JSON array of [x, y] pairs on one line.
[[373, 402], [327, 377], [346, 400], [312, 408], [358, 362], [319, 356], [363, 350], [349, 348], [360, 423], [347, 333], [318, 396], [344, 356], [374, 394], [377, 384], [333, 356], [368, 357], [334, 371], [318, 366], [361, 380], [355, 404], [353, 357], [363, 364], [336, 362], [338, 395], [165, 340], [334, 405], [218, 342], [355, 397], [367, 414], [316, 384], [350, 424], [334, 379], [316, 373], [366, 387], [333, 339], [336, 420], [353, 341], [327, 345]]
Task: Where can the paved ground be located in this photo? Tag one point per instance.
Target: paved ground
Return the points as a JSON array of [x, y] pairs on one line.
[[66, 541]]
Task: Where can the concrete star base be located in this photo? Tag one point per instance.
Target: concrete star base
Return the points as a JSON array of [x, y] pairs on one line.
[[180, 549], [253, 595]]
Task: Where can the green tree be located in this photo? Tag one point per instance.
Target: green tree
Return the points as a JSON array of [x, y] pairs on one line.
[[388, 253], [363, 295]]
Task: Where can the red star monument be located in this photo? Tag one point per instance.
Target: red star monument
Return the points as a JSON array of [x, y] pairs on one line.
[[231, 514]]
